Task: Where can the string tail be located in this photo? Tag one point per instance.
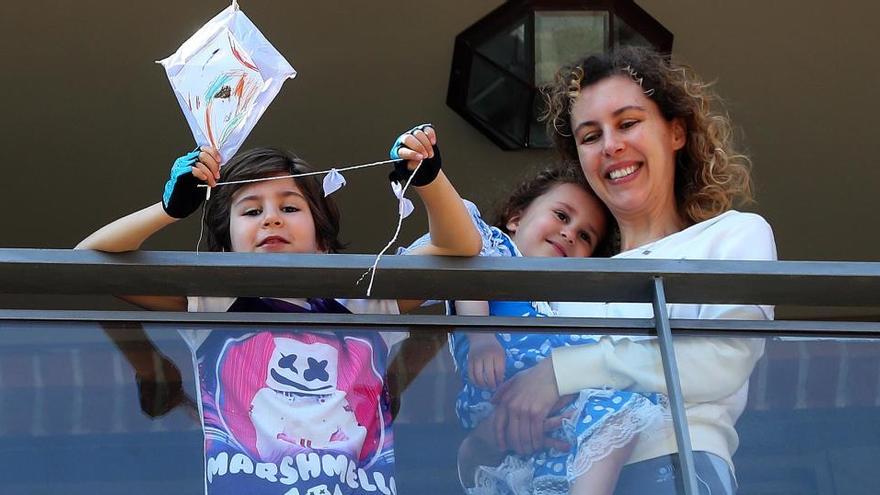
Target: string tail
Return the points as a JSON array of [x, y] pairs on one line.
[[372, 270], [202, 223]]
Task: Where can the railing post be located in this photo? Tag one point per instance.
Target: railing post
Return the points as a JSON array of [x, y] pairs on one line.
[[673, 385]]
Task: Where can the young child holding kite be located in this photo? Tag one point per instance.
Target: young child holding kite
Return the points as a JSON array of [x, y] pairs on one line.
[[285, 410], [552, 213]]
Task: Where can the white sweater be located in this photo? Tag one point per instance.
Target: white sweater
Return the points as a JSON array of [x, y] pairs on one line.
[[714, 371]]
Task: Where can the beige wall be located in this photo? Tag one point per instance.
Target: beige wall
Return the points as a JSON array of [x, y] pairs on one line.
[[91, 125]]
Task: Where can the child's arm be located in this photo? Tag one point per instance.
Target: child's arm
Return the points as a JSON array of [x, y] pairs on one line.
[[486, 359], [181, 198], [449, 222], [452, 233]]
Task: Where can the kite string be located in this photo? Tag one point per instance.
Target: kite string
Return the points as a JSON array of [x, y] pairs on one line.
[[343, 169], [372, 269], [202, 223]]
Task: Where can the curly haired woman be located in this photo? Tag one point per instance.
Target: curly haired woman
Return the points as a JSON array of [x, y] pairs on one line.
[[660, 157]]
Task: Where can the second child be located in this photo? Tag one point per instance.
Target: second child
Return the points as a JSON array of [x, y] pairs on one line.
[[551, 214]]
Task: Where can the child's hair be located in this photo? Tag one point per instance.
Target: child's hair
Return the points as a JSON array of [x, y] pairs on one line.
[[266, 162], [710, 175], [541, 182]]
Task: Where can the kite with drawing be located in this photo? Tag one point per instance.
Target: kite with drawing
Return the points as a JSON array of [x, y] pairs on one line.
[[224, 77]]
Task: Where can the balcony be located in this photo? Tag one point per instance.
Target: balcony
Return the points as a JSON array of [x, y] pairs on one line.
[[75, 419]]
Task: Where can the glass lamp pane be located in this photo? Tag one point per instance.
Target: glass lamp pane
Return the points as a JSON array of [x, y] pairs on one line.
[[499, 99], [561, 37], [508, 50], [624, 35], [538, 137]]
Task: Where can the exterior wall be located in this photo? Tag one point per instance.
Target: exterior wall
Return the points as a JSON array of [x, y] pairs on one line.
[[91, 125]]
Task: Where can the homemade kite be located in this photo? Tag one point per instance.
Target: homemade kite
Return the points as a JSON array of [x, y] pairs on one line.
[[224, 77]]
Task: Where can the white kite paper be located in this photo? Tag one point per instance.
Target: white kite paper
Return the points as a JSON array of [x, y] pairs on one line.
[[224, 77]]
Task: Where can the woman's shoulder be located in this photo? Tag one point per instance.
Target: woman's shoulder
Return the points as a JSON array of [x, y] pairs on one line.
[[734, 218], [737, 235]]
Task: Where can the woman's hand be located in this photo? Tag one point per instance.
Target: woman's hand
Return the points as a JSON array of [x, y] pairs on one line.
[[486, 361], [522, 404]]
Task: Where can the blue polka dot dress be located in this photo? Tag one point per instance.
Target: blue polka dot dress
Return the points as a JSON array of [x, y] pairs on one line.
[[597, 421]]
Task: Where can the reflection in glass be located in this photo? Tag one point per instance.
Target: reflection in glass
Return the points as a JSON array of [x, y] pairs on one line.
[[810, 426], [73, 420]]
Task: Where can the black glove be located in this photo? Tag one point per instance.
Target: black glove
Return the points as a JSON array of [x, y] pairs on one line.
[[427, 171], [425, 175], [182, 196]]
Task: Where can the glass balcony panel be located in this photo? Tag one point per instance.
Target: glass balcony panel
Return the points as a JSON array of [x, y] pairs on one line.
[[561, 37], [74, 420], [70, 416], [810, 425]]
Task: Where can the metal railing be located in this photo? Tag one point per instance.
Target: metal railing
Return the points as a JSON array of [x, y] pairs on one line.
[[29, 271]]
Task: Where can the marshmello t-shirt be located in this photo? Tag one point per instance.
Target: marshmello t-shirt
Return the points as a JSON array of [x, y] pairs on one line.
[[291, 412]]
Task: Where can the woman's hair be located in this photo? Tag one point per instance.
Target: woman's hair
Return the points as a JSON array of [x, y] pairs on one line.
[[710, 176], [259, 163], [539, 183]]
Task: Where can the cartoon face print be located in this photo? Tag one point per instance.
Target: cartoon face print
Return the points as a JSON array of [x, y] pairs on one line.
[[305, 369]]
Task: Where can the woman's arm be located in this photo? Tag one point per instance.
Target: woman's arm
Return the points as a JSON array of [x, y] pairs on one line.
[[709, 368]]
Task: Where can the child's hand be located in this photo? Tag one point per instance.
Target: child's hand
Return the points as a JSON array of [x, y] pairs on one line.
[[485, 361], [418, 144], [182, 195]]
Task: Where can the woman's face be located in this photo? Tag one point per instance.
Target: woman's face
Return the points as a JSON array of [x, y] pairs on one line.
[[566, 221], [626, 147]]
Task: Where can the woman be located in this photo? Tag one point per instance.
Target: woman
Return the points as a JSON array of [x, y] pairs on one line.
[[656, 154]]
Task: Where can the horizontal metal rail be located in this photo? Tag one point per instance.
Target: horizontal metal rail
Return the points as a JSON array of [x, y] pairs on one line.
[[53, 271], [417, 323]]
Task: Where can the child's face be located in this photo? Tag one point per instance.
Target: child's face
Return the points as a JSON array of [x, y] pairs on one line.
[[564, 221], [273, 217]]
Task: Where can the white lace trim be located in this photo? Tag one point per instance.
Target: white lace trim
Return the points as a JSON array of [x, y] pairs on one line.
[[512, 476], [515, 475], [615, 430]]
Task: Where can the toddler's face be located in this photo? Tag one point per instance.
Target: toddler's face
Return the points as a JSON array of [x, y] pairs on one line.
[[565, 221], [272, 216]]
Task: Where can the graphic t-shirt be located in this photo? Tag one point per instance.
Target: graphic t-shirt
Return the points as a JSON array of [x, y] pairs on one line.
[[294, 412]]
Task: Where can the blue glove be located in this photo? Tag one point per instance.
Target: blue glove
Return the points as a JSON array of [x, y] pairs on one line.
[[426, 173], [182, 196]]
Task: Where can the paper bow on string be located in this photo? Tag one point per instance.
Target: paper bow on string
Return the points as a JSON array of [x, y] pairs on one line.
[[333, 181], [224, 78], [405, 206]]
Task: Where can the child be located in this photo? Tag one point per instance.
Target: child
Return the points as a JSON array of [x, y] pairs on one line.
[[289, 412], [553, 213]]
